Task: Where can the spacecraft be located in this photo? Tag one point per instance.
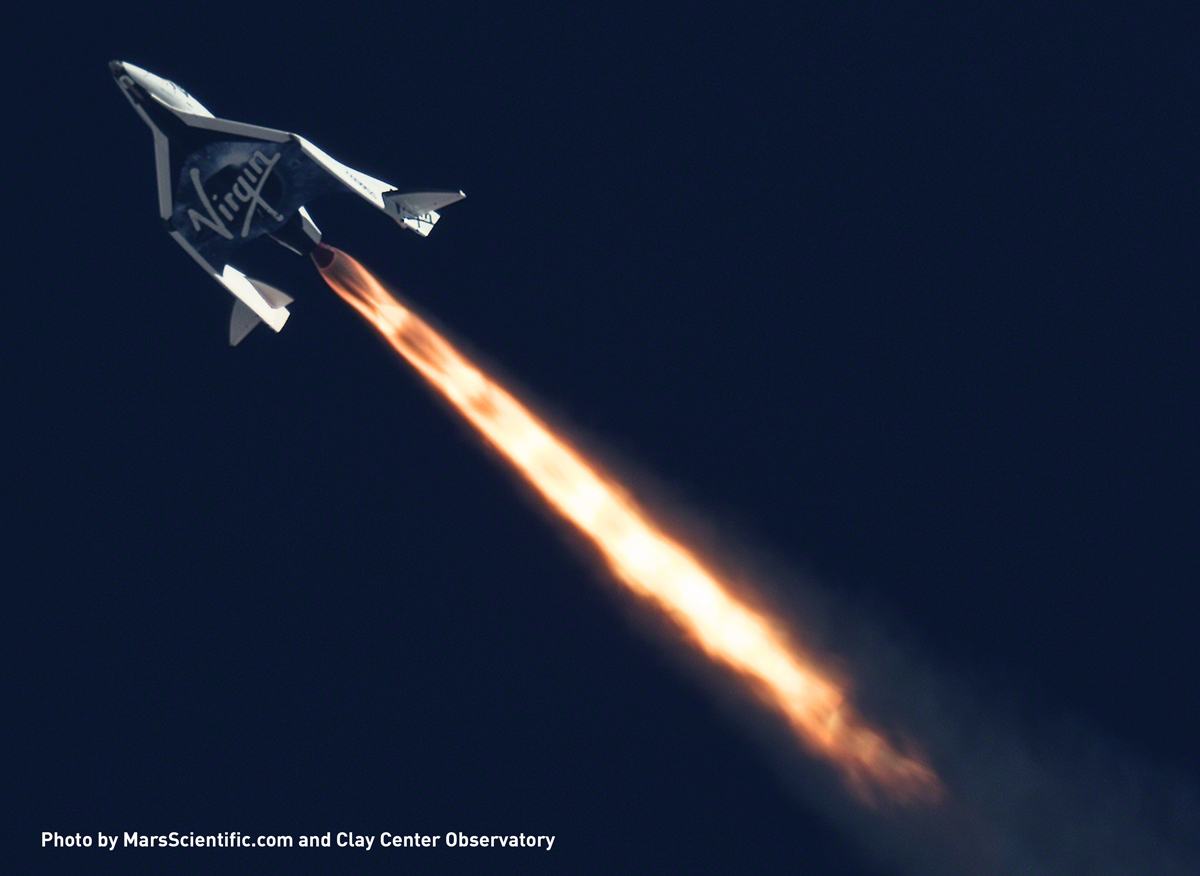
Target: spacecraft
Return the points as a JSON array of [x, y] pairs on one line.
[[223, 184]]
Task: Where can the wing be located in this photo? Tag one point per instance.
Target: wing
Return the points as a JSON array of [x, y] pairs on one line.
[[416, 211], [191, 146], [223, 184]]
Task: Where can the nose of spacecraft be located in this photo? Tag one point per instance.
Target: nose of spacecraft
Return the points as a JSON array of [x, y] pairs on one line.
[[165, 91], [143, 78], [127, 80]]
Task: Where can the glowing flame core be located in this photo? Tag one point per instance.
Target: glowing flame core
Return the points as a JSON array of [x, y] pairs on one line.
[[641, 556]]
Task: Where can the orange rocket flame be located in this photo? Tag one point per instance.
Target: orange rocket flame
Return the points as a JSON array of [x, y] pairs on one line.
[[640, 554]]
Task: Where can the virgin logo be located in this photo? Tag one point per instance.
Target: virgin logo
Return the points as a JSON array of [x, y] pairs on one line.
[[246, 190]]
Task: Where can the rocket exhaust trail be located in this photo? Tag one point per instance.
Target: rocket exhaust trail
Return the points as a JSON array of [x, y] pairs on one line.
[[651, 564]]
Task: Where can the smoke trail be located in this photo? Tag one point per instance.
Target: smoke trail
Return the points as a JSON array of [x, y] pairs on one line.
[[647, 561], [1040, 793]]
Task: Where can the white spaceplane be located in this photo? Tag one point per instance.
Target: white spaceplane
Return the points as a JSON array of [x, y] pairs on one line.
[[222, 184]]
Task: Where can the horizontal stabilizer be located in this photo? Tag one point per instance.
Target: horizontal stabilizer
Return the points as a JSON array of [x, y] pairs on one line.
[[265, 302], [270, 294], [418, 210], [241, 322], [244, 289], [244, 318]]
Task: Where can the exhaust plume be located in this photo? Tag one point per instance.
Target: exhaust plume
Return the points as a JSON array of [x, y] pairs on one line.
[[654, 566]]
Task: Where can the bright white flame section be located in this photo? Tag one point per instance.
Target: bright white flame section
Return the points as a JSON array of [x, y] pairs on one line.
[[650, 563]]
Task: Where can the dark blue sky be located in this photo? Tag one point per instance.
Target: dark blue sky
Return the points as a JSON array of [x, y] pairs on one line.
[[895, 311]]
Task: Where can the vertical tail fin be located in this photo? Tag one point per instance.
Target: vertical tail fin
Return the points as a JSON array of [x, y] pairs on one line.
[[417, 211], [240, 323]]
